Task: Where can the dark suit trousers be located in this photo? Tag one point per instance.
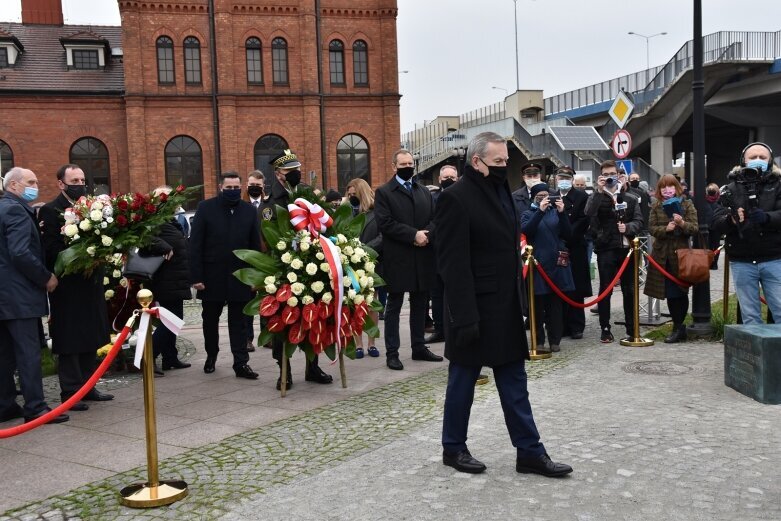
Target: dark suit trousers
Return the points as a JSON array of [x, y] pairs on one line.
[[514, 396], [163, 340], [20, 348], [74, 369], [608, 262], [418, 302], [212, 309], [574, 318], [548, 313], [437, 305]]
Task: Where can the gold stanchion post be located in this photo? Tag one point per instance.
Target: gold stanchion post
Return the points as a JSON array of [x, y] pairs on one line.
[[725, 299], [153, 493], [533, 353], [283, 378], [637, 340]]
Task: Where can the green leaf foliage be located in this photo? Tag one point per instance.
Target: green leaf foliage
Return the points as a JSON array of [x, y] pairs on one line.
[[349, 351], [370, 327], [290, 349], [270, 232], [64, 258], [250, 277], [283, 221], [330, 352], [261, 261], [355, 226], [265, 337], [251, 308]]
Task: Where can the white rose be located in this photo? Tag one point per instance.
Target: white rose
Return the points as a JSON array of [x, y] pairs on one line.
[[360, 252], [281, 246], [269, 280], [317, 286], [286, 257], [360, 273], [311, 268], [109, 293], [304, 246], [356, 259], [116, 274], [106, 240], [109, 220], [76, 237], [342, 259], [108, 212], [104, 224], [363, 281], [327, 297], [96, 205], [358, 299], [369, 267], [371, 282], [348, 250], [106, 281], [351, 293], [97, 231], [90, 250], [123, 282], [71, 230], [319, 255], [296, 264], [270, 289], [369, 298], [292, 302], [117, 257], [292, 277], [324, 267], [85, 226], [96, 215], [341, 239], [70, 216], [347, 282], [307, 299], [297, 288]]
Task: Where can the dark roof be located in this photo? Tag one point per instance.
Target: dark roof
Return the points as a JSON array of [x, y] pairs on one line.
[[8, 37], [42, 66]]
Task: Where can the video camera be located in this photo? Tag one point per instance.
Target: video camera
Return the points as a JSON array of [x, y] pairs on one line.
[[751, 179]]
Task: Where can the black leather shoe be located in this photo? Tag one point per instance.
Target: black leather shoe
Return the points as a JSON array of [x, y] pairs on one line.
[[678, 335], [62, 418], [394, 363], [11, 414], [80, 407], [576, 336], [246, 371], [542, 465], [462, 461], [434, 338], [208, 367], [426, 355], [176, 364], [315, 374], [97, 396]]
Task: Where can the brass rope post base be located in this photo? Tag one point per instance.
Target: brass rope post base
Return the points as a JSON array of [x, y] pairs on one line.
[[637, 340], [533, 353], [153, 493]]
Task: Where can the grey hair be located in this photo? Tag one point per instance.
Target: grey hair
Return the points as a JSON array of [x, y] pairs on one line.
[[445, 167], [479, 144], [397, 153], [579, 177], [12, 175]]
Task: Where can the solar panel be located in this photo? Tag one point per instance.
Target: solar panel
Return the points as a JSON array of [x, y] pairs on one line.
[[578, 138]]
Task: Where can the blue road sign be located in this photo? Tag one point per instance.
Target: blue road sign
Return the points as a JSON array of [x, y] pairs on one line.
[[625, 165]]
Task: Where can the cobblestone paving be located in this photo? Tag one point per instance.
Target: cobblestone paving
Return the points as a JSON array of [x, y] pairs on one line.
[[224, 474]]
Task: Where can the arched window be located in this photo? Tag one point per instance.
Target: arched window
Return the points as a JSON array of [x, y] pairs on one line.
[[192, 61], [92, 156], [184, 165], [165, 61], [352, 160], [360, 63], [336, 60], [6, 157], [266, 148], [279, 61], [254, 61]]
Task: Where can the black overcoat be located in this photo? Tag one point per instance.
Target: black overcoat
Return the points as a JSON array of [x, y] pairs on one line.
[[400, 214], [23, 291], [79, 315], [217, 230], [575, 208], [172, 279], [479, 260]]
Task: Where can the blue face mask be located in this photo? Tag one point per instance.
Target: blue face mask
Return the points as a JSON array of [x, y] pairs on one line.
[[535, 206], [565, 185], [30, 194], [759, 164]]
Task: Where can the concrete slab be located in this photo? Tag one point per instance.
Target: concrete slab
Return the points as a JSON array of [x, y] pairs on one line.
[[198, 434]]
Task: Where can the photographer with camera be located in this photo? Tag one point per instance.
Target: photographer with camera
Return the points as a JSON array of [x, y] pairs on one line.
[[751, 219], [615, 221]]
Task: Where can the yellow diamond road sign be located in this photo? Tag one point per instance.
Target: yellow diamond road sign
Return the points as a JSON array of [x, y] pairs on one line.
[[621, 109]]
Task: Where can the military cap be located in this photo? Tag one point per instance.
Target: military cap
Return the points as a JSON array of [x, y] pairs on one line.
[[565, 171], [529, 165], [285, 159]]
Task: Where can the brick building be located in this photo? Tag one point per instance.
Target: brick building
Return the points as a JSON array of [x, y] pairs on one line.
[[149, 102]]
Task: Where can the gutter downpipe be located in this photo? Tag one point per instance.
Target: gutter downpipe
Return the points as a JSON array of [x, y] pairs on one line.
[[323, 160], [215, 89]]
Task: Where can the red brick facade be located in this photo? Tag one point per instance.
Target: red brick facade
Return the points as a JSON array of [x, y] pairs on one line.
[[136, 124]]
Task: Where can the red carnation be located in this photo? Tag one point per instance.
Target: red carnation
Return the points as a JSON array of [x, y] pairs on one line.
[[275, 324], [180, 188], [136, 205], [290, 314], [268, 306], [284, 293], [121, 221]]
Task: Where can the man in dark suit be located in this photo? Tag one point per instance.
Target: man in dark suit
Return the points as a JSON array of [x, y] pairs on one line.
[[479, 258], [221, 225], [74, 339], [574, 318], [405, 213], [23, 293]]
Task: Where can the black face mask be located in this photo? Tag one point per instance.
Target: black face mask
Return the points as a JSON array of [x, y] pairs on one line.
[[634, 184], [405, 172], [354, 201], [497, 174], [713, 192], [293, 178], [232, 195], [255, 191], [75, 191], [446, 183]]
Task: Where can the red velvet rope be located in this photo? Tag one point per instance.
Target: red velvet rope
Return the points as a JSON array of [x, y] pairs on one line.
[[664, 272], [600, 297], [70, 402], [762, 300]]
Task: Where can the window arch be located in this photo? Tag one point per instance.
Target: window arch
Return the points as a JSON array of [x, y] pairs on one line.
[[352, 160], [279, 61], [6, 157], [266, 148], [360, 63], [192, 61], [254, 61], [165, 61], [92, 156], [336, 61], [184, 165]]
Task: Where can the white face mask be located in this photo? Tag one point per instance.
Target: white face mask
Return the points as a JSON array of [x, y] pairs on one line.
[[531, 181]]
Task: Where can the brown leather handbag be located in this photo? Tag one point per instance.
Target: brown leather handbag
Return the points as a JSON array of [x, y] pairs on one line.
[[694, 264]]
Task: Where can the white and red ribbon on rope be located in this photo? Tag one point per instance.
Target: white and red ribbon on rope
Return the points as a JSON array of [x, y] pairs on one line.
[[168, 319], [308, 216]]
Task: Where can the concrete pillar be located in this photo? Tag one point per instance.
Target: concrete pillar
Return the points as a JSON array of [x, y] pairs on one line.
[[771, 136], [662, 154]]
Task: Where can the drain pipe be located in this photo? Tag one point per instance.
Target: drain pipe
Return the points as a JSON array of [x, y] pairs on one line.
[[215, 88], [323, 160]]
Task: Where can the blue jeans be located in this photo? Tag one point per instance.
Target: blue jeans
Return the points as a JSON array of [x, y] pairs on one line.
[[748, 277]]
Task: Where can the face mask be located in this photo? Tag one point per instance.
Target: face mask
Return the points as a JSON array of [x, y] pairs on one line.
[[354, 201], [446, 183], [293, 177], [30, 194], [667, 192], [713, 192], [634, 184], [565, 185], [405, 172], [74, 192], [531, 181], [759, 164], [255, 191], [535, 206], [232, 195]]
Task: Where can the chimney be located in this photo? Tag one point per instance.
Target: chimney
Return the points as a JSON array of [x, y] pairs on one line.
[[46, 12]]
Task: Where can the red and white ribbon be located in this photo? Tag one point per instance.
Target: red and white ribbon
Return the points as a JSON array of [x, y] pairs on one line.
[[307, 216], [168, 319]]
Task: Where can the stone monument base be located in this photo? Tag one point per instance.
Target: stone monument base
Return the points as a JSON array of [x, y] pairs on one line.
[[752, 361]]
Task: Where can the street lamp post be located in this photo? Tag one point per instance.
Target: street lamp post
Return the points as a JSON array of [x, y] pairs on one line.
[[501, 88], [647, 45], [517, 74]]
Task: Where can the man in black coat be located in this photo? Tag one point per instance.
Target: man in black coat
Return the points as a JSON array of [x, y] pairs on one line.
[[479, 259], [575, 208], [532, 175], [405, 214], [74, 339], [23, 295], [221, 225]]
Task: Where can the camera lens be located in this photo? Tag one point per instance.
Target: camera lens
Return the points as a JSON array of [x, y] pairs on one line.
[[610, 181]]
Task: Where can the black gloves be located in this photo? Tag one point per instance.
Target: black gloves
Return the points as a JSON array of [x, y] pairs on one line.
[[466, 336], [758, 216]]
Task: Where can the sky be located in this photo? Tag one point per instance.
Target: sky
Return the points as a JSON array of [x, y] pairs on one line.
[[455, 51]]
